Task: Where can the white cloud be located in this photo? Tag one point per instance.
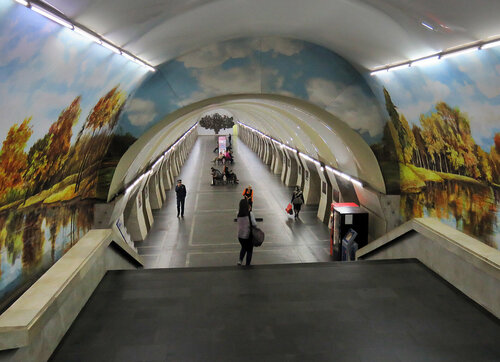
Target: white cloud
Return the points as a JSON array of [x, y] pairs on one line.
[[229, 81], [283, 46], [358, 111], [480, 73], [218, 53], [140, 112], [322, 92]]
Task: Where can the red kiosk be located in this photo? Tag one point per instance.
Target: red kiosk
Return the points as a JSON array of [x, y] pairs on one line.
[[344, 216]]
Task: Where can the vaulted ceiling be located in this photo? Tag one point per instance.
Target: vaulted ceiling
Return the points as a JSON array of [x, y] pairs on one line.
[[369, 33]]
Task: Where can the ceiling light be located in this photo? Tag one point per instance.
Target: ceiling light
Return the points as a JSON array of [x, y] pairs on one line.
[[129, 57], [425, 61], [87, 35], [111, 47], [397, 67], [375, 72], [460, 52], [491, 45], [427, 26], [22, 2], [51, 16]]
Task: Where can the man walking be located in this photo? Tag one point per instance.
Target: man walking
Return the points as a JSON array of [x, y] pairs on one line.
[[180, 191]]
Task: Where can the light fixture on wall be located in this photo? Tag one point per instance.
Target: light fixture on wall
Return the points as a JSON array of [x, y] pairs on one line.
[[87, 35], [425, 61], [459, 52], [48, 11], [51, 16], [491, 44], [434, 58], [306, 157]]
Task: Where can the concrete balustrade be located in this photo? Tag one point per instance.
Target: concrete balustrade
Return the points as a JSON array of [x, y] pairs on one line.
[[291, 177], [135, 221], [146, 206], [32, 327], [468, 264], [312, 183], [326, 195], [155, 197]]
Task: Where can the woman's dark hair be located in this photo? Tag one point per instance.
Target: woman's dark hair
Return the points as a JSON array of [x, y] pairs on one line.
[[244, 209]]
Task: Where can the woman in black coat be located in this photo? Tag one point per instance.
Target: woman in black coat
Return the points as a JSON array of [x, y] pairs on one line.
[[297, 201]]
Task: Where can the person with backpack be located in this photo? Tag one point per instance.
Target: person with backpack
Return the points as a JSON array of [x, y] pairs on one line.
[[297, 201], [245, 222]]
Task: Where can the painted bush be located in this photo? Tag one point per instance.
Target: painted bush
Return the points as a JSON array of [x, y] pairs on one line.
[[61, 97], [445, 122]]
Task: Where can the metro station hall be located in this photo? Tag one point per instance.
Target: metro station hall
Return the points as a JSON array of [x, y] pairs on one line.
[[220, 180]]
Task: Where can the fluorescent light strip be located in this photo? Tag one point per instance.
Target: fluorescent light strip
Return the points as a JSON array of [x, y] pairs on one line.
[[427, 26], [87, 35], [378, 71], [397, 67], [303, 155], [432, 59], [491, 45], [111, 47], [51, 16], [459, 52], [90, 35], [425, 61]]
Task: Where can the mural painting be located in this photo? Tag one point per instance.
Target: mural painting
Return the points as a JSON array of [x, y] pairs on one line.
[[61, 97], [447, 143]]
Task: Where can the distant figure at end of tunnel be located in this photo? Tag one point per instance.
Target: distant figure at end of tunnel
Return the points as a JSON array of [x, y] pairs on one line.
[[180, 191]]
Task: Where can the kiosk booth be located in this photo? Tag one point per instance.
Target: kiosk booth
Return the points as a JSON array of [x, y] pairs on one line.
[[347, 220]]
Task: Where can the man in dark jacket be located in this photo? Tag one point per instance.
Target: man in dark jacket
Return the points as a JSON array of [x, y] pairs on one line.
[[180, 191]]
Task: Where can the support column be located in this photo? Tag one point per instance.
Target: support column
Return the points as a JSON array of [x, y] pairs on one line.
[[291, 177], [134, 217], [311, 183], [154, 192], [325, 195]]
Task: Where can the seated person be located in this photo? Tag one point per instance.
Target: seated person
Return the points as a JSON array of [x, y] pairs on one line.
[[229, 156], [216, 176], [230, 176]]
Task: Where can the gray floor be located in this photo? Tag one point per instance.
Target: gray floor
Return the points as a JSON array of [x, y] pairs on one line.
[[207, 234], [358, 311]]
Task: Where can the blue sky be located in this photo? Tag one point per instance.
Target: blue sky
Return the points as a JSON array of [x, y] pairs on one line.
[[44, 66], [260, 65], [470, 82]]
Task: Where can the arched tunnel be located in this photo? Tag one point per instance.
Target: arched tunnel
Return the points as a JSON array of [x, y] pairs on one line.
[[382, 115]]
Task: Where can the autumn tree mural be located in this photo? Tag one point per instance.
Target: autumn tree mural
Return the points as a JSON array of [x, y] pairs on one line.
[[47, 185], [443, 172]]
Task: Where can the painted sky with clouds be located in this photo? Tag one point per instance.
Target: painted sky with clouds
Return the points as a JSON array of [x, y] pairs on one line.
[[258, 65], [470, 82], [44, 66]]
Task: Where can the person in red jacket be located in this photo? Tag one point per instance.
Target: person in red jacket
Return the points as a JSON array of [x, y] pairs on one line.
[[248, 194]]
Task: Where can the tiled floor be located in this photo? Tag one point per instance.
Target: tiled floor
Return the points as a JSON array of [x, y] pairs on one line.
[[207, 234], [357, 311]]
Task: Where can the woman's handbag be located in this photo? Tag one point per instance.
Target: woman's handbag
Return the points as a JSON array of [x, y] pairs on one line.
[[289, 209], [257, 236]]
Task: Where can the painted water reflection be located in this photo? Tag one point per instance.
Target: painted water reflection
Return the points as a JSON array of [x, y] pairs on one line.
[[471, 208], [33, 239]]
